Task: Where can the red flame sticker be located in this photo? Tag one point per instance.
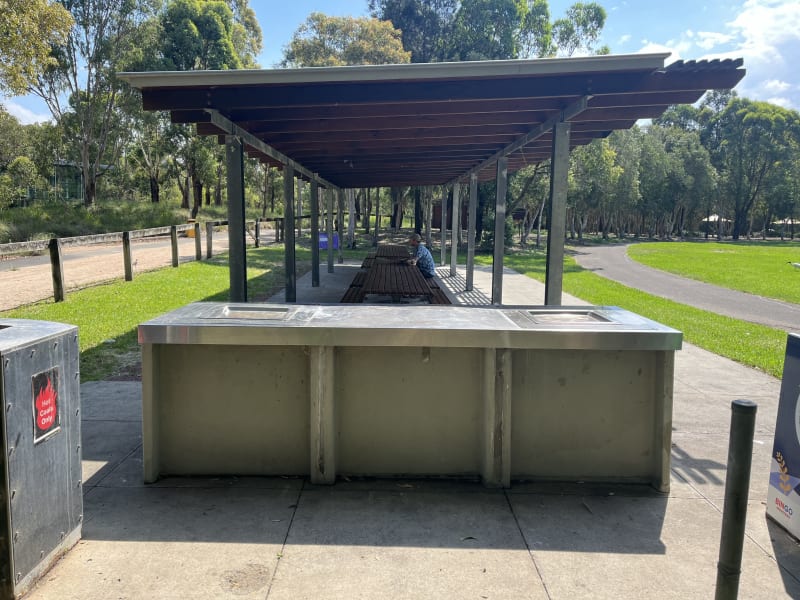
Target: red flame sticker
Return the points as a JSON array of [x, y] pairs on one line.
[[45, 404]]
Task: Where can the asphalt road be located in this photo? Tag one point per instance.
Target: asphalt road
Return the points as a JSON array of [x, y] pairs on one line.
[[612, 262]]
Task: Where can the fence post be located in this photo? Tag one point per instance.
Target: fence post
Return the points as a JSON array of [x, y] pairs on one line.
[[57, 268], [173, 234], [198, 243], [258, 231], [737, 484], [209, 238], [126, 255]]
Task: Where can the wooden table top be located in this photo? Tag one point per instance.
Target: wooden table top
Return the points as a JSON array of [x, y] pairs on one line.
[[396, 279]]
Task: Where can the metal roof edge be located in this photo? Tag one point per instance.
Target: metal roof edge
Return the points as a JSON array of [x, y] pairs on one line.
[[412, 71]]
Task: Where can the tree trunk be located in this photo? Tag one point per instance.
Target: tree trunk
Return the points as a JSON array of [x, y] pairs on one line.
[[154, 189], [197, 196]]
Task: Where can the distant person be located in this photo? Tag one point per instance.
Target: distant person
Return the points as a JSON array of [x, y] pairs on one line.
[[421, 257]]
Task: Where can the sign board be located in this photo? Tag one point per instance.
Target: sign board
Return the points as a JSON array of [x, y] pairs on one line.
[[46, 419], [783, 499]]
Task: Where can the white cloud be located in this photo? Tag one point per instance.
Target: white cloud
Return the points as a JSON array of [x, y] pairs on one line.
[[676, 50], [776, 85], [780, 101], [25, 115], [764, 25], [624, 39], [710, 39]]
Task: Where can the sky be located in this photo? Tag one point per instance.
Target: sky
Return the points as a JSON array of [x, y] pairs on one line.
[[765, 33]]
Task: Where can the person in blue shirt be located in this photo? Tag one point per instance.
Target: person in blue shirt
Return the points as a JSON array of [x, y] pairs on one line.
[[421, 256]]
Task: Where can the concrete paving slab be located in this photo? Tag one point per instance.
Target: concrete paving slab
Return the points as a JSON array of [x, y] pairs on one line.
[[111, 401], [404, 544], [174, 543], [702, 461], [619, 547], [105, 444]]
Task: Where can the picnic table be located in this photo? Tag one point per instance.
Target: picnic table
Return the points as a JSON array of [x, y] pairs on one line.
[[387, 273]]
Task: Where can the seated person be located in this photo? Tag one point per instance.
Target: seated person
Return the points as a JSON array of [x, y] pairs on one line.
[[421, 256]]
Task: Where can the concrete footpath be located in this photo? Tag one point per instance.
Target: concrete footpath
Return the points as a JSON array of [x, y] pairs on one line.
[[283, 538]]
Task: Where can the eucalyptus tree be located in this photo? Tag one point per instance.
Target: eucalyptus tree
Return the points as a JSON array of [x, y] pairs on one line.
[[81, 89], [747, 141], [427, 25], [325, 41], [28, 28], [440, 30], [594, 174]]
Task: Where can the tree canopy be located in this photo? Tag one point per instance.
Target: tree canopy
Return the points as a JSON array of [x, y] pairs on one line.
[[442, 30], [324, 41], [27, 30]]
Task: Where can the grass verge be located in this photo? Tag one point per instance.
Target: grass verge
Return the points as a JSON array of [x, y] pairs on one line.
[[747, 343], [759, 268], [108, 315]]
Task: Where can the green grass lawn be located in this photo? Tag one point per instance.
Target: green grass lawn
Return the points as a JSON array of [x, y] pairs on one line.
[[759, 268], [750, 344]]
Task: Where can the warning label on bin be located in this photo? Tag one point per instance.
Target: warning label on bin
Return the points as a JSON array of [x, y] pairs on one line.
[[46, 419]]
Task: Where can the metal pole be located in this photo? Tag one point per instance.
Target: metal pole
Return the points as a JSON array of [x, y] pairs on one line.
[[456, 229], [340, 223], [288, 234], [737, 484], [559, 168], [471, 224], [443, 227], [314, 233], [237, 257], [329, 227], [499, 230]]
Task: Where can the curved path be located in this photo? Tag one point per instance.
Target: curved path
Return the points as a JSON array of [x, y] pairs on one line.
[[612, 262]]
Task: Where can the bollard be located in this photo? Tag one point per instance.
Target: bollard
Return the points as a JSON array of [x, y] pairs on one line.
[[173, 234], [737, 483], [126, 255], [198, 244], [209, 238], [57, 267]]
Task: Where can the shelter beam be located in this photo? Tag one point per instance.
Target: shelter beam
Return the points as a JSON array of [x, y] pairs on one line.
[[249, 139]]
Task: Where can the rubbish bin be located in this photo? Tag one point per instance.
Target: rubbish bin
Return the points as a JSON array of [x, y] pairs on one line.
[[323, 241], [783, 501], [41, 500]]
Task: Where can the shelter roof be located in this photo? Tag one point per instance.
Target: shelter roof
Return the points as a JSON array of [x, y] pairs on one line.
[[419, 124]]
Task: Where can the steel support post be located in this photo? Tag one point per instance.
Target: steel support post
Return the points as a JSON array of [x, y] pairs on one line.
[[340, 222], [471, 224], [288, 234], [499, 230], [314, 233], [443, 227], [455, 229], [237, 261], [559, 168], [329, 222]]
